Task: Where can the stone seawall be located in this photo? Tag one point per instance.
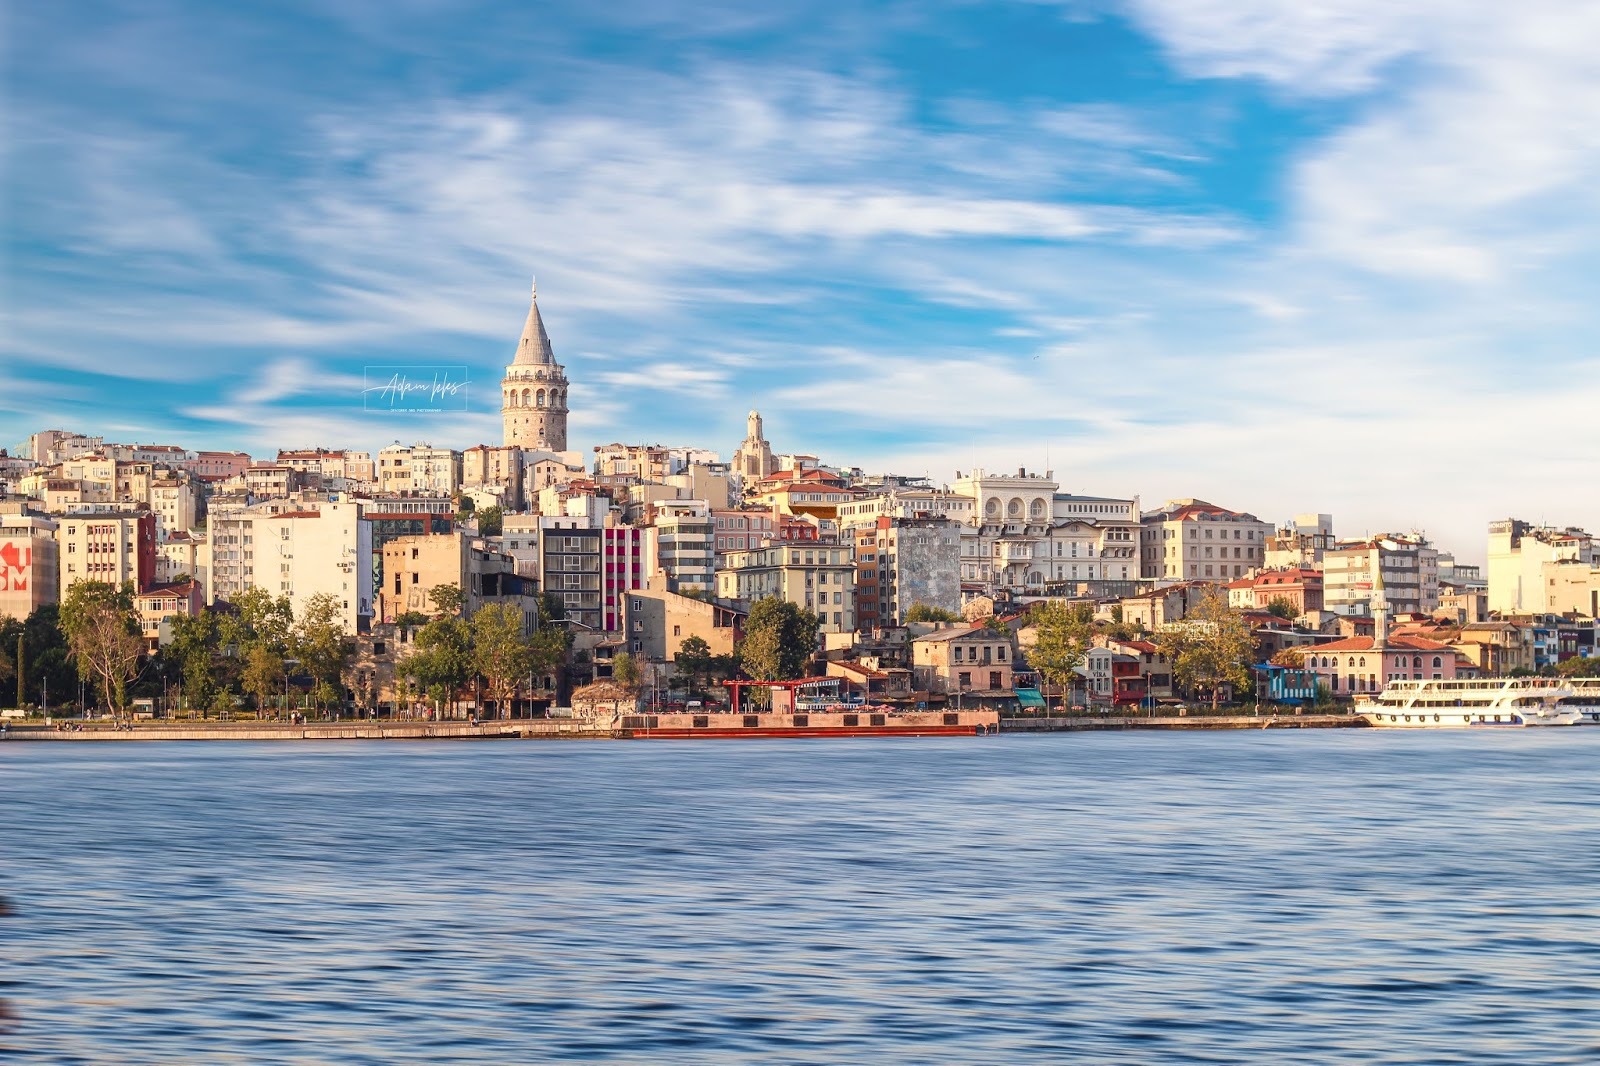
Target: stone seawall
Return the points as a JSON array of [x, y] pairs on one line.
[[584, 728], [1197, 721], [554, 729]]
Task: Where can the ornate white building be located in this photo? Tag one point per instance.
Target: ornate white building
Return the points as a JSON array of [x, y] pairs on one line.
[[533, 401]]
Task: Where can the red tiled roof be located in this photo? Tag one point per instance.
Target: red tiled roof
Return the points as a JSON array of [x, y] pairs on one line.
[[1396, 641]]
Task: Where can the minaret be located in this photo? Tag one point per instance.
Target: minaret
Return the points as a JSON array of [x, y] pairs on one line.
[[533, 394], [1380, 603]]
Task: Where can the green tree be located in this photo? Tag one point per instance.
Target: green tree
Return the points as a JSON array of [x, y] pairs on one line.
[[50, 673], [502, 655], [442, 662], [318, 642], [1284, 608], [264, 675], [1211, 647], [779, 640], [1587, 667], [1062, 635], [195, 641], [490, 521], [446, 600], [625, 671], [551, 609], [693, 659], [922, 612], [262, 618], [19, 669], [411, 620], [98, 620]]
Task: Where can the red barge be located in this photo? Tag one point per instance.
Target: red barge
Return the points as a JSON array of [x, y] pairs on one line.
[[804, 709]]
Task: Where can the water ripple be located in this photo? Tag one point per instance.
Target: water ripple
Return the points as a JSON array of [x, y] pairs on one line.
[[1347, 897]]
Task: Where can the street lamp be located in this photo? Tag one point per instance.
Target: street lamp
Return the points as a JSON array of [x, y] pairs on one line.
[[286, 664]]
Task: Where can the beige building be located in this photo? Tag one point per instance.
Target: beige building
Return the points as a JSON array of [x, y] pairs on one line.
[[419, 470], [907, 503], [533, 394], [1539, 569], [964, 660], [818, 577], [658, 622], [1192, 540], [1299, 544], [414, 566], [157, 606], [114, 547]]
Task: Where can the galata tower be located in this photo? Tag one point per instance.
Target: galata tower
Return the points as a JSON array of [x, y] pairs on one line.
[[533, 394]]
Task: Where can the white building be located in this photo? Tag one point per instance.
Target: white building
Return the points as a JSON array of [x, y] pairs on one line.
[[298, 553], [1528, 562], [1025, 535]]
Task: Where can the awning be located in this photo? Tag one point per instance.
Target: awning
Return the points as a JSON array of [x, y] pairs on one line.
[[1030, 697]]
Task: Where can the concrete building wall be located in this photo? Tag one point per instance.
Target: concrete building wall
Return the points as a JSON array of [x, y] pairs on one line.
[[29, 577]]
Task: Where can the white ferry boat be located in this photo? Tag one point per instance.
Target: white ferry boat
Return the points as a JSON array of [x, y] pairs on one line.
[[1585, 699], [1483, 702]]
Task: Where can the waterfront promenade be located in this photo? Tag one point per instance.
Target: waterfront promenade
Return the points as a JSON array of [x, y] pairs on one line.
[[594, 728]]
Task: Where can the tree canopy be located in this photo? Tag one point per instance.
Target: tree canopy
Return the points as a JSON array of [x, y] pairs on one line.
[[1062, 635], [922, 612], [1211, 647], [98, 620], [1284, 608], [779, 640]]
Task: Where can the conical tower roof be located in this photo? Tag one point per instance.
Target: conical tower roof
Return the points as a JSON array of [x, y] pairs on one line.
[[534, 348]]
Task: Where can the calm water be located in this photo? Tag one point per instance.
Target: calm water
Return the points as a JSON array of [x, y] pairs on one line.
[[1316, 897]]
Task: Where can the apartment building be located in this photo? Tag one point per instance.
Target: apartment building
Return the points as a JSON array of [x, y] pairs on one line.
[[1410, 570], [1192, 540], [324, 548], [115, 547], [817, 576]]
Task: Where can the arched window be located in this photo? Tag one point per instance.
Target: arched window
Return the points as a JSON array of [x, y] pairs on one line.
[[1352, 661], [1014, 508], [527, 396], [1036, 509], [1437, 662], [1416, 661], [541, 398], [1363, 660]]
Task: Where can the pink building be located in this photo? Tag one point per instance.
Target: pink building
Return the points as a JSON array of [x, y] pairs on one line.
[[1354, 664], [1301, 587], [217, 466]]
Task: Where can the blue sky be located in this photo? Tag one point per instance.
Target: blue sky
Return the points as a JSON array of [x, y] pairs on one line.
[[1286, 257]]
